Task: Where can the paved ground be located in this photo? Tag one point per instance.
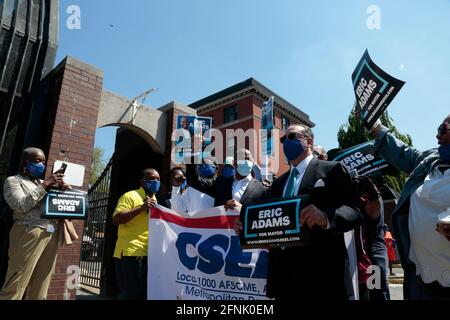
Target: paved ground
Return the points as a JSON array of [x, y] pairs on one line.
[[395, 288], [396, 283]]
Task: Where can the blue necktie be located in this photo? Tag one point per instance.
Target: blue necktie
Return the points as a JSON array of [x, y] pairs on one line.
[[290, 189]]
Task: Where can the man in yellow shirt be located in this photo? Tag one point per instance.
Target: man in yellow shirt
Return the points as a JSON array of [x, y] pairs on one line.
[[131, 215]]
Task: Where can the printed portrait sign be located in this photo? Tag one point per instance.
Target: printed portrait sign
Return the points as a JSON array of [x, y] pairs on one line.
[[273, 223], [374, 90], [65, 205], [194, 124], [363, 159]]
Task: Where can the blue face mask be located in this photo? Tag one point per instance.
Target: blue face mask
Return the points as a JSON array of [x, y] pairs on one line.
[[228, 171], [206, 170], [444, 152], [293, 149], [36, 170], [244, 167], [183, 185], [151, 186]]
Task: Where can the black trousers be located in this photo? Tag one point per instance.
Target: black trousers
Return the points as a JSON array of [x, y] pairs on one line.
[[132, 278]]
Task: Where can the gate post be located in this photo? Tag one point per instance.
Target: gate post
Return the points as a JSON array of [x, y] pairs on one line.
[[74, 102]]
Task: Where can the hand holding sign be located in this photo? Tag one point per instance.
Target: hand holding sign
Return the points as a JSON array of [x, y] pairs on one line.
[[312, 216], [53, 180], [374, 90], [232, 205], [238, 226]]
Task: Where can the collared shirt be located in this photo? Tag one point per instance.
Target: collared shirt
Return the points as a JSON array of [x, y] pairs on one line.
[[190, 201], [25, 197], [132, 238], [239, 187], [301, 167], [430, 250]]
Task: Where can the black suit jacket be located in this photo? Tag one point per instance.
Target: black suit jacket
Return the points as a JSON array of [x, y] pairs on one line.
[[316, 271], [224, 191]]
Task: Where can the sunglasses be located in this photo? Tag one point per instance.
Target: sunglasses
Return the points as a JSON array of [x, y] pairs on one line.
[[291, 136], [443, 129]]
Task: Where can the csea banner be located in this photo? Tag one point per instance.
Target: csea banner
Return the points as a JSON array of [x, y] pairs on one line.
[[197, 256], [374, 90]]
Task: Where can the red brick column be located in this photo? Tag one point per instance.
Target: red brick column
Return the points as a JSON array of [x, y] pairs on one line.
[[74, 101]]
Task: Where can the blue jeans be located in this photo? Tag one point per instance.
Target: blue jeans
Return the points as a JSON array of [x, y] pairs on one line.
[[132, 278]]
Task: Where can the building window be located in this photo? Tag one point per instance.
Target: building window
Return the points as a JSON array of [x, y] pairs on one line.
[[230, 114], [285, 123]]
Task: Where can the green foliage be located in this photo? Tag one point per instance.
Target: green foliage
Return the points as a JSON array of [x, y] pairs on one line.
[[354, 133], [98, 164]]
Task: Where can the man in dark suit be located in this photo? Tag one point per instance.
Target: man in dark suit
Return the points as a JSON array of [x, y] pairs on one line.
[[314, 271], [231, 190], [242, 187]]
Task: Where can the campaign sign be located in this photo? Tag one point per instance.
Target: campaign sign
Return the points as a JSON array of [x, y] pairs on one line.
[[363, 159], [374, 90], [194, 124], [267, 126], [273, 223], [69, 204]]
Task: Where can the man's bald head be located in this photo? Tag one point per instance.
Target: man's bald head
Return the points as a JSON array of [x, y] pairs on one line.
[[150, 174], [320, 152], [29, 154]]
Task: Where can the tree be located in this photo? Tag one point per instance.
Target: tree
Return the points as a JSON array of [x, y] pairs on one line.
[[98, 164], [354, 133]]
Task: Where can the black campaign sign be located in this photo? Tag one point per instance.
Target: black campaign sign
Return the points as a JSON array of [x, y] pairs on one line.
[[65, 205], [273, 223], [363, 159], [374, 90]]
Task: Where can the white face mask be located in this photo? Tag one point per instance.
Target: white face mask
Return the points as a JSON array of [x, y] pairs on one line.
[[244, 167]]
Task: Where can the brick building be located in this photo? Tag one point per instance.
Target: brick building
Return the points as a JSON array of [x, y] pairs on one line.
[[239, 107]]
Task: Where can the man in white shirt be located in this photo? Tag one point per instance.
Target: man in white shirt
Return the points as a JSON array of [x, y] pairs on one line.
[[234, 191]]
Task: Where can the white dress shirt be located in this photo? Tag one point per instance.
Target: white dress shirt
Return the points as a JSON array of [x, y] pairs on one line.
[[239, 187], [301, 167], [190, 201], [430, 250]]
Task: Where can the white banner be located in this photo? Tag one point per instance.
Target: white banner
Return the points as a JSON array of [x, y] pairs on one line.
[[201, 258]]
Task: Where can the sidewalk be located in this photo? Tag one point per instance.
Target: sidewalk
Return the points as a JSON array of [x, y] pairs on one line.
[[396, 283], [88, 294]]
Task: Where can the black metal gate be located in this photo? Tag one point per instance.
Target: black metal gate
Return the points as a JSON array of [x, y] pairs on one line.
[[93, 243]]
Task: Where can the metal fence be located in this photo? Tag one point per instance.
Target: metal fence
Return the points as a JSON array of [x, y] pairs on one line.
[[93, 243]]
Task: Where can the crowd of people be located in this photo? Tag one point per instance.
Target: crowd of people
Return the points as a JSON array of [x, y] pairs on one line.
[[341, 202]]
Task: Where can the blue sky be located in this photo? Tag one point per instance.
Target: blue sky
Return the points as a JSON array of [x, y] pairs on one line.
[[305, 51]]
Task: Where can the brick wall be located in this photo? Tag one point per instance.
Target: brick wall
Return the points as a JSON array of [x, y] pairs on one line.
[[74, 102]]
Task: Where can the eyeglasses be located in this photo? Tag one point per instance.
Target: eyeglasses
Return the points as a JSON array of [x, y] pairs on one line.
[[443, 129], [291, 136]]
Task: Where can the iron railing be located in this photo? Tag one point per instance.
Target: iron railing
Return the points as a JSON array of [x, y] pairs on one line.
[[93, 243]]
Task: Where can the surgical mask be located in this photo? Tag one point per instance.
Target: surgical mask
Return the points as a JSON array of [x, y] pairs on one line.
[[152, 186], [293, 149], [228, 171], [206, 170], [244, 167], [36, 170], [183, 185], [444, 152]]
